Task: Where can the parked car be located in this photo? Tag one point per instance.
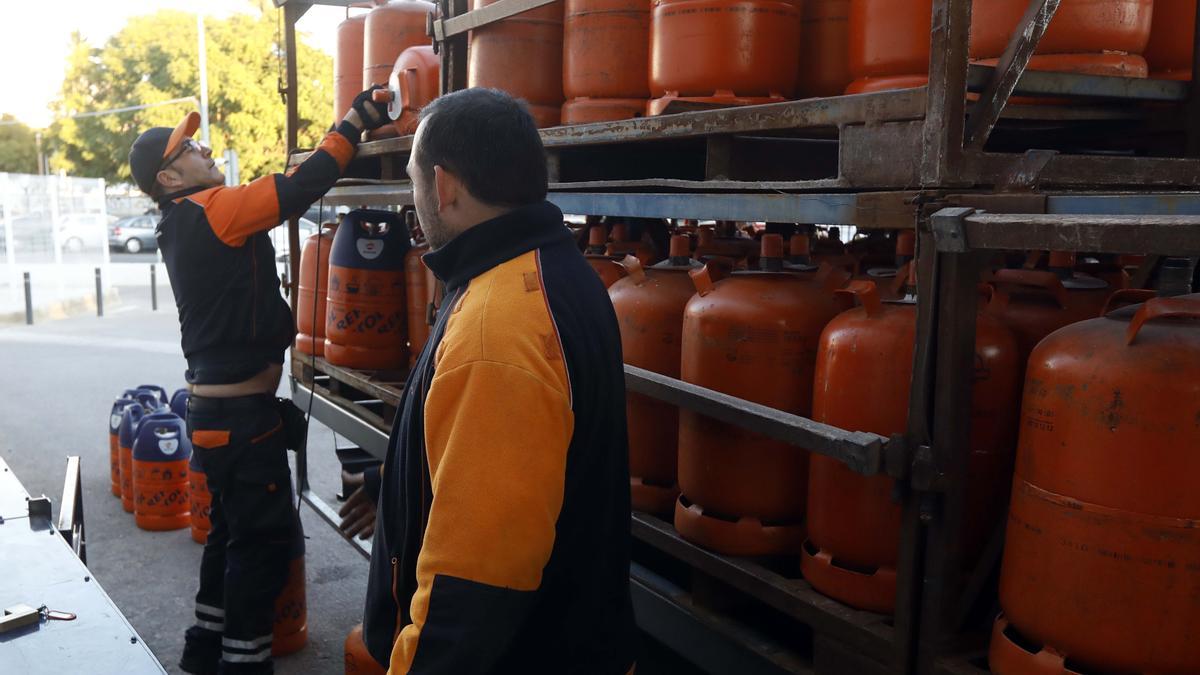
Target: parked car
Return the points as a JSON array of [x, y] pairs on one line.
[[133, 234], [77, 231]]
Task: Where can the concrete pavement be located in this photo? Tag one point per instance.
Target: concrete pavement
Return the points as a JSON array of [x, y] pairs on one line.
[[61, 378]]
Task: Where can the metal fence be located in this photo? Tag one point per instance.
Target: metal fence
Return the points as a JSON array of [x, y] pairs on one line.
[[53, 219]]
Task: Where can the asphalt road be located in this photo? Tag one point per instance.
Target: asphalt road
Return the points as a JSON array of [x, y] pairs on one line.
[[61, 378]]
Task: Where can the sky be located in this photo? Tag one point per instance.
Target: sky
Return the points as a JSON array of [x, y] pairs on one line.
[[35, 38]]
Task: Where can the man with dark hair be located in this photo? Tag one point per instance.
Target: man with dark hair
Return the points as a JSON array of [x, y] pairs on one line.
[[502, 541], [235, 329]]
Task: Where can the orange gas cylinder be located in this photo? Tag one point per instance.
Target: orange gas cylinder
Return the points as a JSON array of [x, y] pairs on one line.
[[414, 82], [420, 285], [314, 285], [864, 370], [358, 660], [799, 254], [605, 265], [723, 48], [606, 46], [649, 304], [391, 28], [1172, 34], [891, 37], [347, 65], [161, 451], [522, 55], [1108, 65], [621, 246], [1035, 303], [114, 446], [199, 500], [752, 335], [1102, 552], [589, 110], [365, 326], [824, 41], [741, 251], [290, 632]]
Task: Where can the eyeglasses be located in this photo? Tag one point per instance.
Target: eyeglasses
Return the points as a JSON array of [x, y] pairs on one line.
[[184, 147]]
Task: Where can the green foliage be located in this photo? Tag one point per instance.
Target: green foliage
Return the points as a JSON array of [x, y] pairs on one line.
[[155, 58], [18, 147]]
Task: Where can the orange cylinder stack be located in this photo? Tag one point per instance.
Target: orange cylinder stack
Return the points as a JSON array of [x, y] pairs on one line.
[[605, 265], [313, 291], [347, 65], [864, 370], [131, 417], [522, 55], [1103, 537], [621, 246], [357, 659], [389, 29], [365, 326], [1172, 34], [649, 304], [605, 58], [889, 39], [290, 632], [752, 335], [726, 52], [114, 446], [824, 44]]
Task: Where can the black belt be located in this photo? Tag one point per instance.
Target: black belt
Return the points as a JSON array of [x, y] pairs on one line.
[[207, 405]]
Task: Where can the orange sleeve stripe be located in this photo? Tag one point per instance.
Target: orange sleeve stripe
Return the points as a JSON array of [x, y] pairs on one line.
[[497, 438], [235, 213], [339, 148]]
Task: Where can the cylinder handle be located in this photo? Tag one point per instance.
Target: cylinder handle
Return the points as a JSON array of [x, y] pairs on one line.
[[866, 292], [633, 268], [1162, 308]]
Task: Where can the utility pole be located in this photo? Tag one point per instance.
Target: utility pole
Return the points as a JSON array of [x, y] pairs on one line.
[[203, 83], [41, 158]]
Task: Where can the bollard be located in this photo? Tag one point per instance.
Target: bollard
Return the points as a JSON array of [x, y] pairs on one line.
[[99, 295], [153, 288], [28, 301]]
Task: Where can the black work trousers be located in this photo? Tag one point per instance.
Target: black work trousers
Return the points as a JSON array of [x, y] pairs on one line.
[[240, 443]]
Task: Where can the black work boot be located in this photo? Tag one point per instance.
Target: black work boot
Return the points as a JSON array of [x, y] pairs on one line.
[[201, 651]]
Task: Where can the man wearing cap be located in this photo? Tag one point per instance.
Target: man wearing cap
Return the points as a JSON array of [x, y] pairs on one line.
[[235, 329]]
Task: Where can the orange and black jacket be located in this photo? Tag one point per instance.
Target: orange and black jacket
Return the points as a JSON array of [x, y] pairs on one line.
[[221, 263], [503, 532]]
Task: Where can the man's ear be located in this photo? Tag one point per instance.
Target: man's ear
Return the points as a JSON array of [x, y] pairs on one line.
[[447, 185], [168, 179]]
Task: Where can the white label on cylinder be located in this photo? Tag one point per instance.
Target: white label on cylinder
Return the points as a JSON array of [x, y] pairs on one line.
[[168, 445], [369, 248], [114, 422]]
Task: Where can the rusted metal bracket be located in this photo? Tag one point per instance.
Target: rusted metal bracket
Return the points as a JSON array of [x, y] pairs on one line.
[[1011, 66], [948, 232], [441, 28]]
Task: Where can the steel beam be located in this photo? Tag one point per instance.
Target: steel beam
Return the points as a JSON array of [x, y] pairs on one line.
[[945, 106], [328, 514], [958, 230], [497, 11], [1041, 83], [1012, 64], [862, 452], [342, 421]]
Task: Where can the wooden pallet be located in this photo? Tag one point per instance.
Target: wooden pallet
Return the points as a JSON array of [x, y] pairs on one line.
[[373, 395]]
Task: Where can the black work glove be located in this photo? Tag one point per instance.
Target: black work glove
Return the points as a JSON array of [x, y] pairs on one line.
[[372, 115]]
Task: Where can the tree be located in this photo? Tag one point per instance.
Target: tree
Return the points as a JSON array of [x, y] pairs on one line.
[[154, 58], [18, 146]]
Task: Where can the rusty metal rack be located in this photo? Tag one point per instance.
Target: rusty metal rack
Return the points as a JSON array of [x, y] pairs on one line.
[[1115, 172]]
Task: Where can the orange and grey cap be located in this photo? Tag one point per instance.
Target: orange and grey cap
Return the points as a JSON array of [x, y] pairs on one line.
[[154, 146]]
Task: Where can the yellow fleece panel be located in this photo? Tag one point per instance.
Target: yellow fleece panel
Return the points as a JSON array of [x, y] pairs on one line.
[[498, 422]]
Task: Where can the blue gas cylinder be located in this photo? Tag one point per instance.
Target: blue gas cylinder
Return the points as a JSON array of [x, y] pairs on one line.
[[114, 448], [161, 451], [179, 403], [130, 418], [157, 390]]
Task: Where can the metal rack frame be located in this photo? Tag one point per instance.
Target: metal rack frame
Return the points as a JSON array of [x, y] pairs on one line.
[[962, 198]]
